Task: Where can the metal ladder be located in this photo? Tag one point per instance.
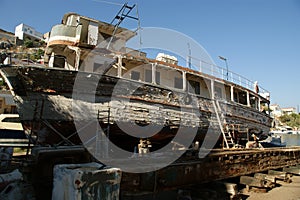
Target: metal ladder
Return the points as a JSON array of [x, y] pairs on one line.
[[122, 14], [227, 138], [102, 141]]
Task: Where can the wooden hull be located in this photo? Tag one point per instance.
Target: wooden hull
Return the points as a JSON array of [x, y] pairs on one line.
[[52, 109]]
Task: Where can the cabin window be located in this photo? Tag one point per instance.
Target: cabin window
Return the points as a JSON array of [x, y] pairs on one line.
[[157, 77], [135, 75], [148, 76], [264, 108], [194, 87], [227, 93], [178, 83], [59, 61], [235, 97], [242, 98], [253, 102], [218, 92]]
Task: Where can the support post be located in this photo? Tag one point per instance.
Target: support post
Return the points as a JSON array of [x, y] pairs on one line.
[[77, 58], [119, 66], [212, 85], [292, 170], [232, 93], [248, 99], [184, 81], [153, 70]]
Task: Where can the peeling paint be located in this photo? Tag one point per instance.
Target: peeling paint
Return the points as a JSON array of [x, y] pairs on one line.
[[88, 181]]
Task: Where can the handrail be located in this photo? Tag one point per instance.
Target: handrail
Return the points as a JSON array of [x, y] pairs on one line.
[[220, 72], [210, 69]]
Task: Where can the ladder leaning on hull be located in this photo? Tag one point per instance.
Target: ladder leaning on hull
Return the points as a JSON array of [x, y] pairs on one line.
[[227, 137]]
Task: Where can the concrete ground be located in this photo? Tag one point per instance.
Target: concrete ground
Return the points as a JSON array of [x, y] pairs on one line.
[[285, 191]]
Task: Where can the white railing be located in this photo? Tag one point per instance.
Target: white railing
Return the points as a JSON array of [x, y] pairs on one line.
[[225, 74]]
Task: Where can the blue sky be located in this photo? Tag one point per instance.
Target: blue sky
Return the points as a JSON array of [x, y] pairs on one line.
[[259, 38]]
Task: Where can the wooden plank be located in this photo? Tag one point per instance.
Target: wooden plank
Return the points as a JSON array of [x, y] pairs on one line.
[[256, 185], [280, 175], [268, 177], [251, 181], [292, 170]]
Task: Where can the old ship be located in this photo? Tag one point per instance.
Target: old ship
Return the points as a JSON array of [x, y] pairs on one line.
[[128, 94]]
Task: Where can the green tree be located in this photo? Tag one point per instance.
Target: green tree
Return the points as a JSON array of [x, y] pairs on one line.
[[37, 55], [40, 53], [292, 120], [28, 43]]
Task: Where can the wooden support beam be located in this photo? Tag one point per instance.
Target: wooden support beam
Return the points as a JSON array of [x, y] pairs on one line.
[[251, 181], [267, 177], [254, 184], [280, 175], [292, 170], [231, 188]]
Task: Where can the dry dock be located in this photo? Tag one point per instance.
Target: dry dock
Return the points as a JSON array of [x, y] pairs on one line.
[[247, 168], [217, 165]]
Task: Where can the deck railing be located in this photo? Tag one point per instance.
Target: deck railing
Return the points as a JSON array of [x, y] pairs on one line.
[[225, 74], [198, 65]]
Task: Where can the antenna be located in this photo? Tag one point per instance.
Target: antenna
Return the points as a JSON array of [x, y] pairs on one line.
[[122, 14]]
